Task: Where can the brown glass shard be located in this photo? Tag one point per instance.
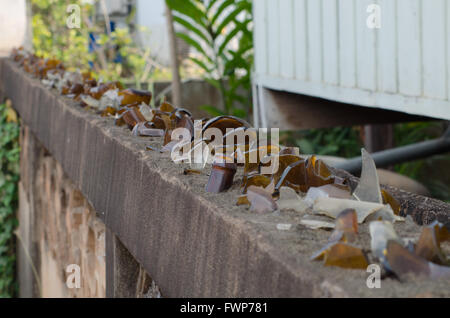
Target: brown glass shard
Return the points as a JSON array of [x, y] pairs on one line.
[[342, 255], [166, 107], [191, 172], [132, 96], [162, 120], [252, 164], [242, 200], [256, 180], [403, 262], [45, 65], [291, 173], [389, 199], [108, 111], [76, 89], [318, 174], [261, 201], [224, 122], [429, 244], [132, 117], [221, 177], [346, 227], [346, 256], [98, 91]]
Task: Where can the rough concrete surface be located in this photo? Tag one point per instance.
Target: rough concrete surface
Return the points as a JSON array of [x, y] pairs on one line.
[[58, 228], [192, 243]]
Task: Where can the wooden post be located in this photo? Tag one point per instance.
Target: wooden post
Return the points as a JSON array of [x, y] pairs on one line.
[[378, 137], [176, 80]]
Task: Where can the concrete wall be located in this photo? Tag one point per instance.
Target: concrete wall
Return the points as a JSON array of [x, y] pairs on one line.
[[59, 228], [162, 228]]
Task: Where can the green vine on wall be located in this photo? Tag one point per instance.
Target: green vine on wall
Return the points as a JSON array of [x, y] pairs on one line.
[[9, 178]]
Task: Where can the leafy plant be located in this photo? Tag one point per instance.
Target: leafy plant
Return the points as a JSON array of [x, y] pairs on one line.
[[337, 141], [9, 177], [221, 33], [111, 54]]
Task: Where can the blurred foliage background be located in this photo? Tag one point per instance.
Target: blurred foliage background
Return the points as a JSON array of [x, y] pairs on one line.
[[113, 55], [222, 34]]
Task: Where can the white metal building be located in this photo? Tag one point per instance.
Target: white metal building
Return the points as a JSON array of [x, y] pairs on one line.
[[325, 48]]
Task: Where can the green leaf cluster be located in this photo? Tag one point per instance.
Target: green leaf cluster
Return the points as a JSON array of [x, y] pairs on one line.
[[53, 39], [9, 178], [221, 32]]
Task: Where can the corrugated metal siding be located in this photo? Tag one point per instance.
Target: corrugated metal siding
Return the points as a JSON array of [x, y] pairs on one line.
[[324, 48]]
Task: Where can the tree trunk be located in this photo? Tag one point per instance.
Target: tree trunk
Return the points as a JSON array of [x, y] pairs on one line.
[[176, 80]]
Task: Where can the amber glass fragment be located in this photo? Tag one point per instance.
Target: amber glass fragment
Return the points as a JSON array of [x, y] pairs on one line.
[[252, 163], [345, 256], [256, 158], [118, 120], [346, 227], [166, 107], [389, 199], [132, 117], [402, 262], [179, 113], [108, 111], [131, 96], [429, 244], [318, 173], [221, 177], [191, 171], [183, 119], [291, 173], [43, 66], [224, 122], [256, 180], [342, 255], [88, 84], [98, 91], [242, 200], [161, 120], [76, 89]]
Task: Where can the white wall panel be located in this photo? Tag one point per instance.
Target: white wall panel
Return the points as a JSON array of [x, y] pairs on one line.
[[324, 48]]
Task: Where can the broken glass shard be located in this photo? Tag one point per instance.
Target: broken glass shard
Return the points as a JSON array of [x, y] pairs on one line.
[[368, 188]]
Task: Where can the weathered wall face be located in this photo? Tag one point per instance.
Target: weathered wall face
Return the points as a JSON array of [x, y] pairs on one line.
[[58, 228], [64, 227]]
